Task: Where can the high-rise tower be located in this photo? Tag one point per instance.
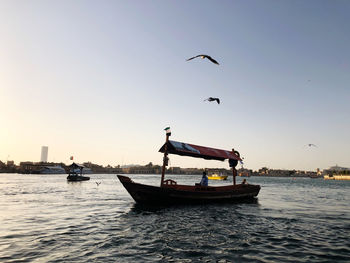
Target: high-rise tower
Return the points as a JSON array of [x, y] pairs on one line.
[[44, 153]]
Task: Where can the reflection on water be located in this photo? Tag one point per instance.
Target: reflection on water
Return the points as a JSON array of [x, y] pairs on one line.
[[153, 208], [46, 219]]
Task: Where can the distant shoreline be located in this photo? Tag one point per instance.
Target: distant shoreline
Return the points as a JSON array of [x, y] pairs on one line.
[[111, 173], [150, 168]]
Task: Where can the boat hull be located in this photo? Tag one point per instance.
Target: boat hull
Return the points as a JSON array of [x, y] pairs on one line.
[[77, 178], [185, 194]]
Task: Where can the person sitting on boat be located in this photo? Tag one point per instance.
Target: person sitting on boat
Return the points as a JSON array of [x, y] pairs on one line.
[[204, 181], [244, 181]]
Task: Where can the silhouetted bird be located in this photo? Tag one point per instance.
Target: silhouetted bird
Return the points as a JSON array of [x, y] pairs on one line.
[[205, 56], [98, 183], [310, 145], [213, 99]]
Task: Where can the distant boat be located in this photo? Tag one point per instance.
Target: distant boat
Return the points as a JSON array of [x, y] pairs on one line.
[[52, 170], [76, 173], [314, 176], [169, 192], [244, 174], [337, 177], [216, 176]]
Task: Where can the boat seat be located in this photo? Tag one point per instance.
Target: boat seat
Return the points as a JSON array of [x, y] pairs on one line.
[[170, 182]]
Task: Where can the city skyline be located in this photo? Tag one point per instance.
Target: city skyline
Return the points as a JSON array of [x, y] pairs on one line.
[[101, 80]]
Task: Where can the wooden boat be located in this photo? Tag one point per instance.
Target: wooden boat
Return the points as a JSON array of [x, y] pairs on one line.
[[169, 192], [217, 177], [76, 173]]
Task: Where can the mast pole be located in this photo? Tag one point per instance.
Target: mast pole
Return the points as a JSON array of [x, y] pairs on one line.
[[165, 158]]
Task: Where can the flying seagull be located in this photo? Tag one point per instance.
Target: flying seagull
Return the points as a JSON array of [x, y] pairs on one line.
[[213, 99], [98, 183], [205, 56], [310, 145]]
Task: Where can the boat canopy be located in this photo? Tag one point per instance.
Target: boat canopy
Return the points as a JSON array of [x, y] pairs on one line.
[[76, 165], [186, 149]]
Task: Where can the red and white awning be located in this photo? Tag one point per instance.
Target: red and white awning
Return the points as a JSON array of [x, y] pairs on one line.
[[187, 149]]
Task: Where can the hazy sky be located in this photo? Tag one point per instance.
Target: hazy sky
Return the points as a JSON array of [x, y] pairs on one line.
[[100, 80]]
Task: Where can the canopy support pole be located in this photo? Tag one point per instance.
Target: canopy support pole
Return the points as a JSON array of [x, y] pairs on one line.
[[165, 158]]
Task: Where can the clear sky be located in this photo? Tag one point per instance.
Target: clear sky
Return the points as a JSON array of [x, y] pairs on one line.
[[100, 80]]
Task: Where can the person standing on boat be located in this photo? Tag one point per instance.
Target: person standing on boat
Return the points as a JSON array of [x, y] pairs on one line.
[[204, 181]]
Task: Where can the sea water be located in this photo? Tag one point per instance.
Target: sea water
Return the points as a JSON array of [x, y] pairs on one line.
[[44, 218]]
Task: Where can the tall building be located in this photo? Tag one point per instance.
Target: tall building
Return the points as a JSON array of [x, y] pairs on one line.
[[44, 153]]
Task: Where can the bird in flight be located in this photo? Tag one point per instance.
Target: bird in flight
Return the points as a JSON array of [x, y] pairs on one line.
[[310, 145], [203, 57], [213, 99], [98, 183]]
